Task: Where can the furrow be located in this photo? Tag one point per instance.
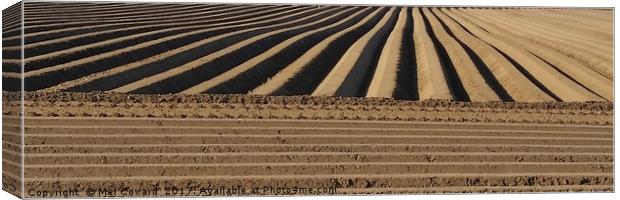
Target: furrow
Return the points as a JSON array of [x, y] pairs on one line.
[[176, 122], [346, 78], [586, 14], [98, 130], [49, 18], [219, 148], [36, 7], [11, 137], [64, 30], [40, 79], [432, 82], [251, 73], [565, 25], [34, 27], [49, 6], [585, 55], [94, 81], [407, 74], [602, 50], [41, 26], [454, 82], [473, 83], [306, 157], [11, 22], [383, 82], [41, 54], [539, 27], [558, 84], [157, 83], [58, 44], [131, 13], [583, 75], [296, 139], [11, 65], [284, 135], [216, 67], [252, 169], [276, 83], [307, 80], [64, 12], [13, 10], [505, 80]]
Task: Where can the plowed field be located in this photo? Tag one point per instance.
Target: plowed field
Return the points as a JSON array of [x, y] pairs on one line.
[[327, 145], [135, 99], [414, 53]]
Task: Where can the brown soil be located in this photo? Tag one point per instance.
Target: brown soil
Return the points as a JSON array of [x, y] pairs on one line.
[[434, 53], [355, 145], [200, 98]]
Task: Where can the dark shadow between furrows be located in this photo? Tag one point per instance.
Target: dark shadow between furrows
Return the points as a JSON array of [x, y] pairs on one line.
[[222, 64], [61, 59], [407, 76], [11, 25], [358, 80], [12, 54], [12, 42], [179, 59], [11, 67], [312, 74], [257, 75], [84, 40], [529, 76], [147, 12], [568, 76], [450, 74], [83, 29], [456, 21], [134, 74], [62, 26], [488, 76], [11, 84]]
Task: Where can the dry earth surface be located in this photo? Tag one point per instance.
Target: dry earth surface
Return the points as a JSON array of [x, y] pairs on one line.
[[412, 53], [348, 145], [211, 99]]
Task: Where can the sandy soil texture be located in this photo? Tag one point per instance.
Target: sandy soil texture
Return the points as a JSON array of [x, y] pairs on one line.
[[411, 53], [140, 100], [97, 104], [353, 157], [334, 145]]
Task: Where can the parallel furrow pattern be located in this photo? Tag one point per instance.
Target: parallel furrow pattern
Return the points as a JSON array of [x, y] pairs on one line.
[[11, 62], [411, 53], [351, 156]]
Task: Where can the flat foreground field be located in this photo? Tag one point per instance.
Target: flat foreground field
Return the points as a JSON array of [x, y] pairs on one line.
[[335, 145]]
